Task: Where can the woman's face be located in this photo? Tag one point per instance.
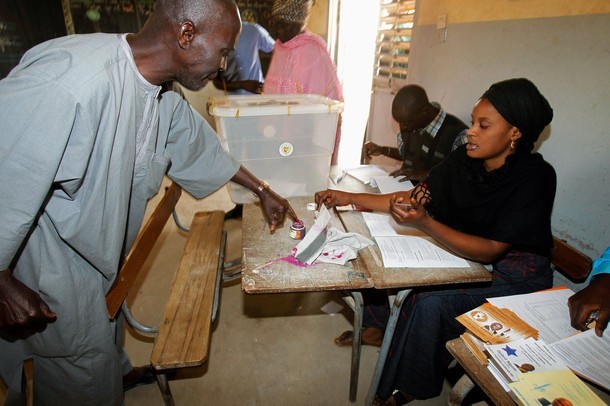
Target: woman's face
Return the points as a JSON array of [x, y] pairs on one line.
[[490, 136]]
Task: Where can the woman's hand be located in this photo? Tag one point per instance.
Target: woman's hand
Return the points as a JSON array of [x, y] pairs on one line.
[[411, 213], [332, 198]]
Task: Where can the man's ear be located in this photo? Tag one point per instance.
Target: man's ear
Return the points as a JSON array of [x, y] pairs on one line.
[[187, 33]]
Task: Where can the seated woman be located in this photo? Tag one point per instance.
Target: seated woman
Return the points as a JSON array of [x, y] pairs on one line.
[[489, 201]]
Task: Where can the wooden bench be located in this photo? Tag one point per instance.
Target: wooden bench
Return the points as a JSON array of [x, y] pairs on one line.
[[565, 259], [183, 336]]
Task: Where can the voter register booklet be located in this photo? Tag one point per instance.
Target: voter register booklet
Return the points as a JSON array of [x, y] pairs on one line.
[[404, 247]]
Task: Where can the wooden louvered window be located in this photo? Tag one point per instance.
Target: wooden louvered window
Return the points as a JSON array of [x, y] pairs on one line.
[[393, 43]]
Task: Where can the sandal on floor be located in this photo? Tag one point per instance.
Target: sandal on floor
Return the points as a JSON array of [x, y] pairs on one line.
[[398, 399], [139, 376], [346, 339], [378, 401], [370, 336]]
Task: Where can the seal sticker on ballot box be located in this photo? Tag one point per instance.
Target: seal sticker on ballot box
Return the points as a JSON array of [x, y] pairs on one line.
[[286, 149]]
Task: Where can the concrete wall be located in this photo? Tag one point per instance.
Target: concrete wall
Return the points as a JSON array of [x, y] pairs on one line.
[[468, 11], [567, 57]]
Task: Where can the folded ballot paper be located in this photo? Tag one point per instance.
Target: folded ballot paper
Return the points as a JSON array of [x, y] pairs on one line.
[[326, 243]]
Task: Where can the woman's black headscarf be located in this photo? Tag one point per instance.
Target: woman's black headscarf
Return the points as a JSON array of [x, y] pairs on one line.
[[523, 106]]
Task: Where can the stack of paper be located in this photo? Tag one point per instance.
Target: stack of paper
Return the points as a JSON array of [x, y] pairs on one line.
[[511, 360], [584, 353], [379, 178], [520, 357], [560, 387], [495, 325], [365, 173]]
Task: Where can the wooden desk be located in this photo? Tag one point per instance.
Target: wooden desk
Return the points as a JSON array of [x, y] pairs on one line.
[[387, 278], [404, 279], [267, 267], [266, 258], [265, 271], [479, 373]]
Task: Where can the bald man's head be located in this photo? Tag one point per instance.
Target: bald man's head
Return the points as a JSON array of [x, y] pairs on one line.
[[412, 109], [194, 37]]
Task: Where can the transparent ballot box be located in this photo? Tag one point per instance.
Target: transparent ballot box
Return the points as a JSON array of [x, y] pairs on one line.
[[285, 140]]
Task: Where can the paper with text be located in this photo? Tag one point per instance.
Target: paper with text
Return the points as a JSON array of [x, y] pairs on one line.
[[496, 325], [584, 353], [401, 246], [523, 356], [547, 310], [383, 225], [587, 355], [415, 252]]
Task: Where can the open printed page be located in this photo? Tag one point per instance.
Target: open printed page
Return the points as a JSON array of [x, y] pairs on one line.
[[587, 355], [383, 225], [401, 247], [547, 310], [415, 252]]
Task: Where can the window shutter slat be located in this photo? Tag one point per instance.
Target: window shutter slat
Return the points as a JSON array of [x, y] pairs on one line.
[[393, 43]]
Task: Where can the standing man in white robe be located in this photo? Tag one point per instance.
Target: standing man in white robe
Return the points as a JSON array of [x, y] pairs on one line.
[[85, 142]]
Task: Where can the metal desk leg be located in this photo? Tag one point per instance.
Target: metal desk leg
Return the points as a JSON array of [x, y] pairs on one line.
[[168, 399], [460, 390], [385, 345], [356, 345]]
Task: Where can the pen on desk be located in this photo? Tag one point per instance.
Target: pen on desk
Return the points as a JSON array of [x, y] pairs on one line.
[[592, 317], [341, 176]]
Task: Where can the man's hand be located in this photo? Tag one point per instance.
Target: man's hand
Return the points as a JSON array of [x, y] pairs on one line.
[[22, 311], [275, 208], [409, 174], [596, 296], [370, 149]]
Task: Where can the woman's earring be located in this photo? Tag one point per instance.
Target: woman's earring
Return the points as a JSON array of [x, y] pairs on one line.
[[512, 145]]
